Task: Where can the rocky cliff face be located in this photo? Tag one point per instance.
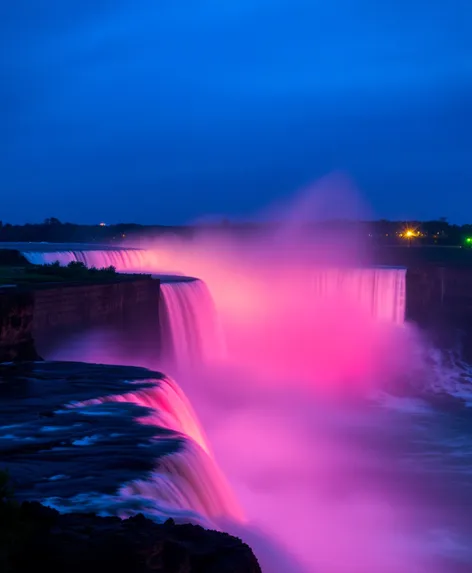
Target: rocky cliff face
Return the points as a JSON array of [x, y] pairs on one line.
[[127, 308], [439, 299], [16, 326], [81, 456], [76, 543], [41, 318]]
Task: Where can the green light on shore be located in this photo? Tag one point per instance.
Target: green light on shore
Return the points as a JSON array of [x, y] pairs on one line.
[[468, 240]]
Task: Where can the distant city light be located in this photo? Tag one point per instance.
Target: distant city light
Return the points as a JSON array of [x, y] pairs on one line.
[[103, 224], [410, 233]]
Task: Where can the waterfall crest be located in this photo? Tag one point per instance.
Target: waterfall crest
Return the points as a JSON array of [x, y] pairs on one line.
[[188, 482], [122, 259], [379, 290]]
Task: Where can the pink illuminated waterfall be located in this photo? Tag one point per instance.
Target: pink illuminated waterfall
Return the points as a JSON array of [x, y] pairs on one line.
[[308, 471], [190, 329], [379, 290], [122, 259], [324, 324], [187, 483]]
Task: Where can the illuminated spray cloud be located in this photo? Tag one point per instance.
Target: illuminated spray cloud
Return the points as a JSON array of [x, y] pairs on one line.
[[304, 318], [294, 302]]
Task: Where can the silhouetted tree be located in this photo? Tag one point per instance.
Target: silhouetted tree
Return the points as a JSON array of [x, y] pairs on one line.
[[52, 221]]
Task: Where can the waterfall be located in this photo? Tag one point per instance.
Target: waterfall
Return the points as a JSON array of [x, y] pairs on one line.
[[190, 331], [298, 330], [168, 408], [189, 324], [380, 291], [122, 259], [315, 322], [188, 482]]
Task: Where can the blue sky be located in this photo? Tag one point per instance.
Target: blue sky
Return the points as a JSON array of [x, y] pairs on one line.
[[163, 111]]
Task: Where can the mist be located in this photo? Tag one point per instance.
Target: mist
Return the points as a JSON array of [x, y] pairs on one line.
[[296, 303], [324, 473]]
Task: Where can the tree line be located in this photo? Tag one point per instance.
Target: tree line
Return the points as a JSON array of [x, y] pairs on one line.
[[383, 231]]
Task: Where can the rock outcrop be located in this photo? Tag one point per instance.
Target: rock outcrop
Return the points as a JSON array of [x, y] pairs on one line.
[[40, 318], [78, 543], [439, 300]]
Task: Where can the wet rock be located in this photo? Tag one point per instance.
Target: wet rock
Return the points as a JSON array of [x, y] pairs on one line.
[[78, 543]]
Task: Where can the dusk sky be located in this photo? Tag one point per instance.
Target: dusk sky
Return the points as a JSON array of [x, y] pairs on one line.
[[163, 111]]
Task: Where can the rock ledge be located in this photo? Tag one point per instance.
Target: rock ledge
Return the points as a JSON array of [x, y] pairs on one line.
[[87, 543]]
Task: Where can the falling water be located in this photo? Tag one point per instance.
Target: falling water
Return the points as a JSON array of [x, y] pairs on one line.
[[379, 290], [280, 319], [188, 482], [121, 259], [168, 408], [191, 333], [348, 487]]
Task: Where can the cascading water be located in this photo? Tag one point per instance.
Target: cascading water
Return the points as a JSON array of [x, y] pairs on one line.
[[122, 259], [346, 486], [188, 482], [321, 324], [190, 331], [380, 290], [280, 320], [168, 408], [185, 483], [318, 323]]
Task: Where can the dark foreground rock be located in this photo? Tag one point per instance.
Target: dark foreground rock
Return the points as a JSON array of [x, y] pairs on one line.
[[16, 326], [34, 536]]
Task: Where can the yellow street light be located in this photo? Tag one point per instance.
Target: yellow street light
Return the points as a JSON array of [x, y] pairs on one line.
[[410, 234]]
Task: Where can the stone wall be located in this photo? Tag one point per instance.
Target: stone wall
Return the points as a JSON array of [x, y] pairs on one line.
[[125, 312], [439, 299], [48, 318]]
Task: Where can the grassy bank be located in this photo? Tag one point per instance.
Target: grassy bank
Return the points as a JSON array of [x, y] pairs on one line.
[[55, 273]]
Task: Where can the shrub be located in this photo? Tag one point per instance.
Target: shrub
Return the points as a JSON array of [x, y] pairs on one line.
[[76, 266], [74, 270]]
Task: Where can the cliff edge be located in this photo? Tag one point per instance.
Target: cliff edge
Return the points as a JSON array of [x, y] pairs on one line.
[[74, 543]]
